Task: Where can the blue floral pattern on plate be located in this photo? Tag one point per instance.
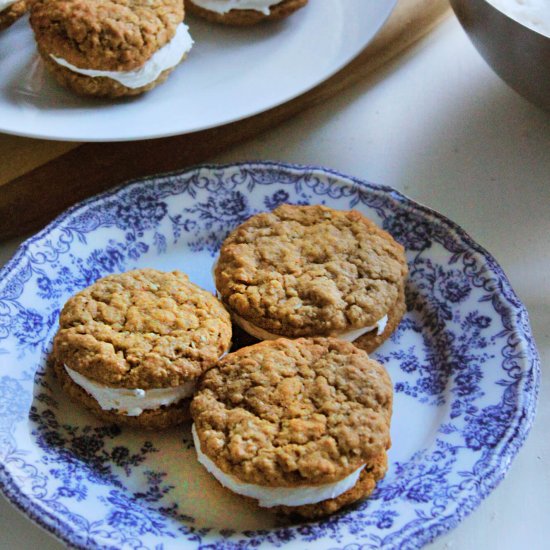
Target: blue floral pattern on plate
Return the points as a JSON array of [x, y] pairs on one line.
[[463, 361]]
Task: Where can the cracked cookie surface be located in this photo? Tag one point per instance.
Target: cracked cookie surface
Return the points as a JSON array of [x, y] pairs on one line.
[[310, 271], [142, 329], [242, 18], [290, 413]]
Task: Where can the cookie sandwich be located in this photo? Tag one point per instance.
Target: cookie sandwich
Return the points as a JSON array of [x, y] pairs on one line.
[[301, 426], [11, 11], [132, 346], [304, 271], [110, 48], [243, 12]]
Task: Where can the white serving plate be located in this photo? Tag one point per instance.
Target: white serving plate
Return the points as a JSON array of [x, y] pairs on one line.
[[230, 74]]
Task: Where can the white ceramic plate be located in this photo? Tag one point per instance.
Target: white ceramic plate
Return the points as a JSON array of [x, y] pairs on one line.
[[463, 362], [230, 74]]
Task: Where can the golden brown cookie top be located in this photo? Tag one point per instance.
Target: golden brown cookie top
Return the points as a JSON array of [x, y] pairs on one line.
[[294, 412], [109, 35], [142, 329], [310, 271]]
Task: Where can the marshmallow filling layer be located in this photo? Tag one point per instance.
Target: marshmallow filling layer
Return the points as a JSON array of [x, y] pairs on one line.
[[268, 497], [167, 57], [225, 6], [348, 336], [131, 402], [534, 14]]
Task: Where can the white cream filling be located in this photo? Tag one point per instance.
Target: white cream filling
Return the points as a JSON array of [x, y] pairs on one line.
[[167, 57], [224, 6], [352, 335], [6, 4], [534, 14], [268, 497], [131, 402], [348, 336]]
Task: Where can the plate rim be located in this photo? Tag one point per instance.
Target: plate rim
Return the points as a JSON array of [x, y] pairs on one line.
[[26, 505], [75, 138]]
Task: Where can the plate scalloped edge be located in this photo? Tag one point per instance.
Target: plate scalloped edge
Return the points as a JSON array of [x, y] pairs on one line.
[[511, 439]]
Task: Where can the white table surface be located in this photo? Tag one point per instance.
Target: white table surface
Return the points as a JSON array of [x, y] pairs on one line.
[[439, 126]]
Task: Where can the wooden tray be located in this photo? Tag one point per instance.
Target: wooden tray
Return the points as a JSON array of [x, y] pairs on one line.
[[59, 174]]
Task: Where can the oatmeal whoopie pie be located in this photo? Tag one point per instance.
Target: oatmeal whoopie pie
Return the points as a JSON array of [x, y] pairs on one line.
[[243, 12], [313, 271], [110, 48], [131, 346], [11, 11], [302, 426]]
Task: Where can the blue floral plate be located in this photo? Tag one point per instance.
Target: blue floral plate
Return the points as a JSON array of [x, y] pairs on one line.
[[463, 362]]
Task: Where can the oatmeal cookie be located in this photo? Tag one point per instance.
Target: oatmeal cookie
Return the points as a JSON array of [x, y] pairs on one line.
[[299, 425], [132, 346], [373, 472], [110, 48], [11, 11], [313, 271], [261, 11]]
